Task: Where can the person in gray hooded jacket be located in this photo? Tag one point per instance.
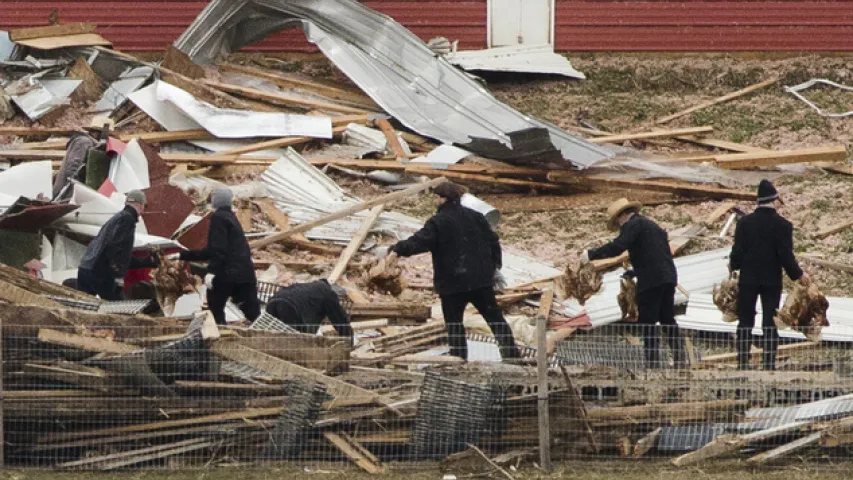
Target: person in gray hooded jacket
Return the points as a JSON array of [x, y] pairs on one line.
[[230, 261]]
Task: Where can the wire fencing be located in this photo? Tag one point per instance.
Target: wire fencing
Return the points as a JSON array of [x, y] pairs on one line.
[[84, 389]]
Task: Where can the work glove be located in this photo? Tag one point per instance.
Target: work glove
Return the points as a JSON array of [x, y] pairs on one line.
[[208, 281], [383, 251], [585, 257], [499, 280]]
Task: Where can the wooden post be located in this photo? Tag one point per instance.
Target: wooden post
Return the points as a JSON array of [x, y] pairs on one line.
[[542, 364], [354, 244]]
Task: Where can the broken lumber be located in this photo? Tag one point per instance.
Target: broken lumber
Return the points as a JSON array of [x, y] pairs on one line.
[[347, 212], [163, 425], [729, 443], [392, 139], [741, 161], [355, 452], [175, 136], [415, 168], [204, 159], [756, 352], [289, 81], [722, 99], [328, 354], [277, 143], [782, 450], [72, 374], [647, 443], [51, 31], [718, 214], [88, 344], [826, 232], [723, 144], [678, 188], [284, 370], [470, 177], [93, 86], [663, 412], [653, 134], [280, 98], [280, 220], [392, 310], [180, 62], [355, 244], [827, 264], [129, 453]]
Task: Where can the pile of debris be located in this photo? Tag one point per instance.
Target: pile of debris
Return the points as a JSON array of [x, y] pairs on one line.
[[103, 385]]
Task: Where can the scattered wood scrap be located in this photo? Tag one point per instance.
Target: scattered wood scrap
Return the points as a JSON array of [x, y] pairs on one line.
[[715, 101], [741, 161], [653, 134], [355, 452], [829, 231]]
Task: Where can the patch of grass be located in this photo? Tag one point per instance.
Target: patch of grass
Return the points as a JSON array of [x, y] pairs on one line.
[[821, 205], [745, 128]]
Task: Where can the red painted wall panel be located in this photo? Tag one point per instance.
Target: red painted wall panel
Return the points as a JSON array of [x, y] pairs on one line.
[[593, 25]]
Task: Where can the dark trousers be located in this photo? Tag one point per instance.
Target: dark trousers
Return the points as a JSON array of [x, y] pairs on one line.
[[770, 297], [657, 305], [483, 299], [103, 286], [244, 295]]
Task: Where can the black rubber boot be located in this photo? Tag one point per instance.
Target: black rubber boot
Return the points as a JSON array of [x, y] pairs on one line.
[[676, 346], [743, 342]]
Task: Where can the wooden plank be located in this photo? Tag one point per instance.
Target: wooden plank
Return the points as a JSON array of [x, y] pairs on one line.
[[664, 412], [130, 453], [392, 310], [280, 220], [718, 213], [355, 452], [278, 143], [678, 188], [829, 231], [88, 344], [347, 212], [14, 294], [65, 41], [158, 137], [729, 443], [355, 244], [832, 440], [281, 99], [469, 177], [225, 387], [168, 424], [653, 134], [740, 161], [723, 144], [289, 81], [417, 168], [87, 377], [204, 159], [391, 137], [756, 352], [782, 450], [715, 101], [51, 31], [284, 370], [92, 88], [579, 409], [647, 443], [180, 62], [161, 454], [827, 264]]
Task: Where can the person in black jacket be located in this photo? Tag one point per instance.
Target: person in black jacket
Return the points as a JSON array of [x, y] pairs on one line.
[[466, 260], [303, 306], [110, 254], [764, 246], [651, 258], [230, 261]]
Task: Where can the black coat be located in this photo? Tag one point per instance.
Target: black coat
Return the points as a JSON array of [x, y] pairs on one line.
[[227, 249], [764, 246], [109, 254], [648, 248], [303, 306], [465, 251]]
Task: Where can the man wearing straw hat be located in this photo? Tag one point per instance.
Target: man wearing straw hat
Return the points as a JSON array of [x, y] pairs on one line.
[[764, 246], [648, 248]]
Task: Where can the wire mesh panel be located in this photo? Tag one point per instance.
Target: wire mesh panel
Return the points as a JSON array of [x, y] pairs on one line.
[[101, 391]]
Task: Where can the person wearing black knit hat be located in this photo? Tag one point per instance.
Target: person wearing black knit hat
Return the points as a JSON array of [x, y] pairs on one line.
[[466, 259], [763, 248]]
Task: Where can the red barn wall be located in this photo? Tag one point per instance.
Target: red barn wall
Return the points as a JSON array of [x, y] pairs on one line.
[[592, 25]]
